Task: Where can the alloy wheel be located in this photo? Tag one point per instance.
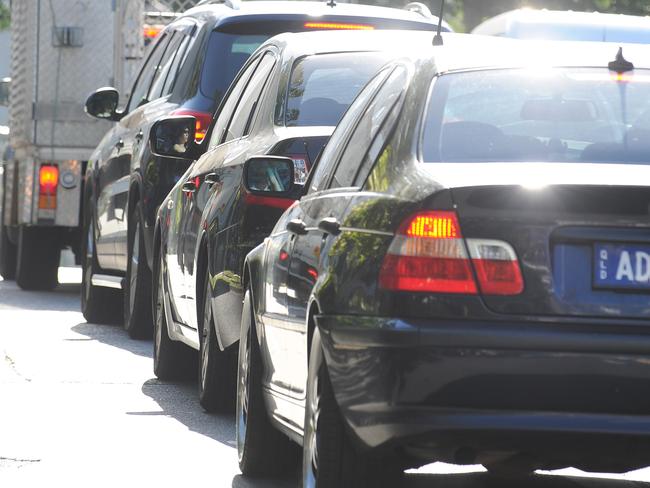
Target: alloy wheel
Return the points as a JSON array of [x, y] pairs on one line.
[[135, 260], [243, 389], [311, 435], [160, 310]]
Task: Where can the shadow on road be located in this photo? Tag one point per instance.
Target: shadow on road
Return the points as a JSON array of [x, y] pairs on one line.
[[472, 480], [180, 401], [114, 335], [65, 298]]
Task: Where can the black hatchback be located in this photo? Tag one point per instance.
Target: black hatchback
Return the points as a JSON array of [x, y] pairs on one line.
[[467, 278], [187, 72]]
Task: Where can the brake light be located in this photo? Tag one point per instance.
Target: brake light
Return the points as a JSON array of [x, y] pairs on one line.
[[203, 121], [337, 26], [48, 180], [428, 254], [497, 268], [264, 201]]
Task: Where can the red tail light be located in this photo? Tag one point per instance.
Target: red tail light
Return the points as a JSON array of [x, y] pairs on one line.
[[48, 180], [428, 254], [497, 268], [203, 121]]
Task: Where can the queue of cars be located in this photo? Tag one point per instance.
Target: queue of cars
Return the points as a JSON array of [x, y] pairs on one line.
[[286, 101], [457, 269], [187, 72]]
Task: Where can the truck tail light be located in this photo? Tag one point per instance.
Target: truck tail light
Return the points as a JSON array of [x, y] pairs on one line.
[[48, 180], [428, 254], [203, 121]]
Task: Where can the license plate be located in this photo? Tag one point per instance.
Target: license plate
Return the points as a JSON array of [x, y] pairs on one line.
[[625, 266]]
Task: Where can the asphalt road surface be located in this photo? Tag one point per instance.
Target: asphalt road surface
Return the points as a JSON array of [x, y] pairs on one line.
[[80, 407]]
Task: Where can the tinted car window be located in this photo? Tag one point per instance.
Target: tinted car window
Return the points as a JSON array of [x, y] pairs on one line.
[[164, 66], [323, 86], [242, 117], [177, 63], [143, 83], [229, 105], [336, 143], [367, 128], [563, 115]]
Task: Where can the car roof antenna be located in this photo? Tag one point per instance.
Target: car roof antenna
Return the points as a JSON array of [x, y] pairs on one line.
[[331, 3], [437, 40], [620, 64]]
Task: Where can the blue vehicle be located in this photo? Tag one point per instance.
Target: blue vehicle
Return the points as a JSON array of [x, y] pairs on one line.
[[567, 26]]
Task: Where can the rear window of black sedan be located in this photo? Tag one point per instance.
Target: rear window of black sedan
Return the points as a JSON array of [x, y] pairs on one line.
[[323, 86], [540, 115]]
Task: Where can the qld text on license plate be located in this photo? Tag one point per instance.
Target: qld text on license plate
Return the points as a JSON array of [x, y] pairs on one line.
[[625, 266]]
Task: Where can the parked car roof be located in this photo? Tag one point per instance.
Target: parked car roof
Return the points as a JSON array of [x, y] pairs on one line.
[[221, 11], [465, 51], [567, 25]]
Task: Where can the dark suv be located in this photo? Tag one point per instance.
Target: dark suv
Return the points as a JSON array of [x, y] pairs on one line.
[[189, 68]]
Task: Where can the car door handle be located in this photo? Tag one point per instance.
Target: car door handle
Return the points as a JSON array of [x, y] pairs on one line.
[[297, 226], [139, 136], [189, 187], [119, 144], [330, 225], [211, 179]]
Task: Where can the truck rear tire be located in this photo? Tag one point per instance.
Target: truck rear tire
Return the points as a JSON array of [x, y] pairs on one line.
[[38, 259], [7, 255]]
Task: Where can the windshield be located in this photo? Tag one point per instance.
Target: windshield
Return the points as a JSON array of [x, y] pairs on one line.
[[555, 115], [322, 87]]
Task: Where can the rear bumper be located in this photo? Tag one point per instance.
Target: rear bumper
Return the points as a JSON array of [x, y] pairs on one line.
[[489, 386]]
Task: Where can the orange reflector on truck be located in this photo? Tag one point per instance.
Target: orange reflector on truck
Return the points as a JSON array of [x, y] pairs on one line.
[[337, 26], [48, 181]]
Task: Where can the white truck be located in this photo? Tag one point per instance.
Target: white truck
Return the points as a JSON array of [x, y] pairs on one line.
[[61, 51]]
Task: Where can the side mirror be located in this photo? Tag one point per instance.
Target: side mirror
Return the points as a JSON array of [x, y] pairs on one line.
[[174, 137], [269, 176], [102, 104], [5, 85]]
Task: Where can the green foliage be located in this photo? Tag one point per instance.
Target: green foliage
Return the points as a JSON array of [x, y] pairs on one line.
[[5, 17]]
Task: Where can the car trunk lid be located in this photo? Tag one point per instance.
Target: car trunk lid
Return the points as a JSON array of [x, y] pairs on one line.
[[581, 232]]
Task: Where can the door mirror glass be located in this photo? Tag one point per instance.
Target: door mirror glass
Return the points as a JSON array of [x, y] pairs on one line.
[[174, 137], [103, 104], [269, 175], [5, 85]]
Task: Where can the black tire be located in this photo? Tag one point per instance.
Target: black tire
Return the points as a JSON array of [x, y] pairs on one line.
[[8, 250], [138, 317], [98, 305], [37, 263], [8, 255], [172, 360], [329, 459], [263, 451], [217, 368]]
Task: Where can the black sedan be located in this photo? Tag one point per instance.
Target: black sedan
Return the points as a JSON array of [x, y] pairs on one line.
[[467, 278], [286, 101]]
